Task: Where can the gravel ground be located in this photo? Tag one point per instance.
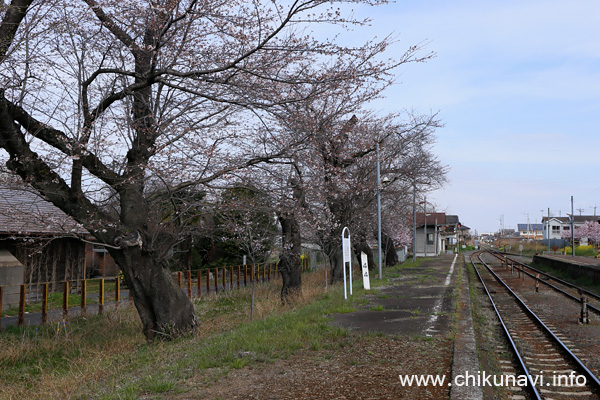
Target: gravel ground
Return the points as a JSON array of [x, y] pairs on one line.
[[362, 367]]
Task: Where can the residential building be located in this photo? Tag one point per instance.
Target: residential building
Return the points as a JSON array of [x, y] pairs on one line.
[[531, 231], [438, 233], [51, 245], [554, 227]]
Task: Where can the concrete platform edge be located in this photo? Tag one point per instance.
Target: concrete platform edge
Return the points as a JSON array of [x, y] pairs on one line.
[[465, 348]]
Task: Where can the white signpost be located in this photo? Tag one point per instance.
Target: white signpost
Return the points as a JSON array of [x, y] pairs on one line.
[[347, 258], [365, 270]]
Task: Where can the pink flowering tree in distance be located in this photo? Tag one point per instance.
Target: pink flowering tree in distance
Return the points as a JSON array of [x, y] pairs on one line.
[[589, 230]]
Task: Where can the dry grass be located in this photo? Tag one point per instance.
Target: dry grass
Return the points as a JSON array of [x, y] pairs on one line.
[[53, 362], [93, 355]]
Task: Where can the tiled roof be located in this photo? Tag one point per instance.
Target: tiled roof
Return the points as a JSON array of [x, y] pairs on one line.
[[442, 219], [578, 218], [24, 212], [585, 218], [431, 218]]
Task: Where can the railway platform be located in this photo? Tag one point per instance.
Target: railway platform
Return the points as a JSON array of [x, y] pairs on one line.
[[422, 303], [419, 303], [576, 266], [575, 260]]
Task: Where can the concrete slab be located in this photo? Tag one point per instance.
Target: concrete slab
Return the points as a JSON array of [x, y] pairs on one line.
[[419, 304], [465, 349], [409, 303]]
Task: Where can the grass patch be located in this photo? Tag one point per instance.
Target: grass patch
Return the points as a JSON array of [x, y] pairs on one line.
[[392, 274], [487, 335], [107, 357]]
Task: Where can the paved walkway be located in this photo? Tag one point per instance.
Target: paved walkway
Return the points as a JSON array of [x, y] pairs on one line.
[[418, 303]]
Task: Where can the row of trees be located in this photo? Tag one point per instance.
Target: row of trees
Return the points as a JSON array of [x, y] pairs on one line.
[[134, 116]]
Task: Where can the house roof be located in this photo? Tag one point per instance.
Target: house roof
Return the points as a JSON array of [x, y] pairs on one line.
[[534, 227], [578, 219], [440, 218], [585, 218], [431, 218], [559, 219], [22, 212]]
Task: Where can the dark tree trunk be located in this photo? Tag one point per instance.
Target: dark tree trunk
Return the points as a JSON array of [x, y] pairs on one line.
[[337, 273], [391, 257], [362, 246], [290, 265], [165, 311]]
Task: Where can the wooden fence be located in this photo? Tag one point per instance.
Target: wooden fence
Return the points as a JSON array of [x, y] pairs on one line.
[[196, 284]]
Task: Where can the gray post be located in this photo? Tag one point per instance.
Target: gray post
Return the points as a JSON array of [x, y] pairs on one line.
[[435, 238], [572, 230], [414, 243], [457, 239], [379, 261], [585, 319], [548, 229], [425, 226]]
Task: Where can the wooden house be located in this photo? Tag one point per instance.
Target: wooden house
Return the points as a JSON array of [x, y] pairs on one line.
[[51, 245]]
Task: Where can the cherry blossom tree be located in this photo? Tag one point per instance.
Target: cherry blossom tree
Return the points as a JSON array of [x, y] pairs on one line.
[[593, 231], [338, 165], [100, 98], [589, 230]]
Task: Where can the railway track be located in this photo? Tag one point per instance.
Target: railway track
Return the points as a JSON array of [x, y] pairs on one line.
[[561, 286], [549, 363]]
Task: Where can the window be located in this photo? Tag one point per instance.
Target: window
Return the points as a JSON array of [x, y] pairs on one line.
[[430, 238], [566, 228], [555, 229]]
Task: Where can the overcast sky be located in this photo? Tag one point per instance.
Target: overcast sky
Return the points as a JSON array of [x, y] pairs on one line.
[[517, 85]]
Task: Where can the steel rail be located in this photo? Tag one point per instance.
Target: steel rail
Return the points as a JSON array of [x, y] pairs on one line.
[[547, 330], [508, 335], [506, 255], [569, 295]]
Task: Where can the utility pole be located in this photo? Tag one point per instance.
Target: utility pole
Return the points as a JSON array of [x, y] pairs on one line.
[[379, 261], [436, 238], [425, 227], [572, 229], [414, 243], [548, 228]]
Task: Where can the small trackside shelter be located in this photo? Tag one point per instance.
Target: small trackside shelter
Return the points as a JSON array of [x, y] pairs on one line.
[[437, 233]]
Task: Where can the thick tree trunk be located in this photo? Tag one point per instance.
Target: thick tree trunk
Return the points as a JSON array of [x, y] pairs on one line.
[[290, 265], [336, 261], [391, 257], [362, 246], [164, 310]]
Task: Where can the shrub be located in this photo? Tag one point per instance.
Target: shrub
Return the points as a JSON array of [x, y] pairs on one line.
[[581, 251]]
